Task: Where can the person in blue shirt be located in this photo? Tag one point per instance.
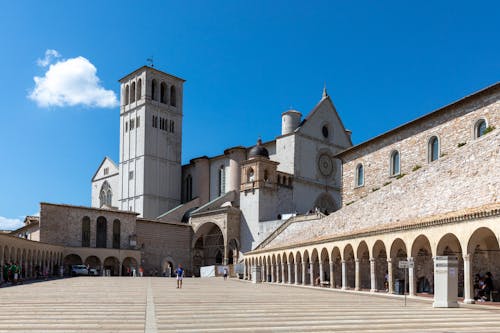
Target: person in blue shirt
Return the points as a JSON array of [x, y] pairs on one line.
[[180, 274]]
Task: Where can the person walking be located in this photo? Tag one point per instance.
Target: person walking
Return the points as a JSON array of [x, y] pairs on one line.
[[180, 274], [225, 273]]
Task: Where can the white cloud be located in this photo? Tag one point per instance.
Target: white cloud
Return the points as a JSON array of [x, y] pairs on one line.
[[49, 56], [10, 224], [71, 82]]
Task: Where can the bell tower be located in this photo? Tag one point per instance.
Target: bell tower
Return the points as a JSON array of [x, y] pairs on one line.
[[150, 141]]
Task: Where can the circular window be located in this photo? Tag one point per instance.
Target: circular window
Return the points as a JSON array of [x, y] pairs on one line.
[[324, 130], [325, 165]]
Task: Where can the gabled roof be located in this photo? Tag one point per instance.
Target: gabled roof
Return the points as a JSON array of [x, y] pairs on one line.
[[100, 165], [324, 100]]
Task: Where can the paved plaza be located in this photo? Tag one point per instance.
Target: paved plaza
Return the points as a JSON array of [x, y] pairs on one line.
[[112, 304]]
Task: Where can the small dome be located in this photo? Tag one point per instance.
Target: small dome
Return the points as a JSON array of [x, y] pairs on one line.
[[258, 150]]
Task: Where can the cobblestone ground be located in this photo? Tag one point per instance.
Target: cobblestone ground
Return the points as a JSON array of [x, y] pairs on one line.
[[213, 305]]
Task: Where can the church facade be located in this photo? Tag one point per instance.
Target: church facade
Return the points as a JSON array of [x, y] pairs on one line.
[[307, 206]]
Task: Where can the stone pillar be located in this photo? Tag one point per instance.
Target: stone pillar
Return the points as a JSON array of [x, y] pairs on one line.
[[119, 268], [289, 273], [311, 273], [468, 281], [245, 271], [283, 272], [236, 156], [390, 281], [344, 275], [357, 280], [321, 273], [1, 269], [296, 273], [332, 276], [304, 272], [373, 276], [202, 167], [272, 273], [411, 278]]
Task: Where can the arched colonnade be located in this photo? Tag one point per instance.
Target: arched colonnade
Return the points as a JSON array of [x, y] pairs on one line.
[[370, 262]]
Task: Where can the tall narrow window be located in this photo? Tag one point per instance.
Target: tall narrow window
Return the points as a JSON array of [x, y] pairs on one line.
[[139, 89], [126, 126], [250, 175], [189, 188], [153, 90], [163, 92], [86, 231], [480, 128], [394, 169], [173, 97], [172, 126], [101, 232], [360, 175], [137, 121], [222, 180], [132, 93], [106, 195], [433, 149], [116, 234], [266, 176], [125, 102], [132, 124]]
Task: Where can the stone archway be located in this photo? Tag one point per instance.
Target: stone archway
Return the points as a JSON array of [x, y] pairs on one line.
[[421, 253], [349, 267], [129, 265], [363, 259], [208, 247], [68, 261], [95, 263], [336, 259], [111, 266], [379, 254], [449, 245]]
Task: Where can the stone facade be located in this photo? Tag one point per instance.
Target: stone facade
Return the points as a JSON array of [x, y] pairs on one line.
[[62, 225], [164, 245], [453, 125]]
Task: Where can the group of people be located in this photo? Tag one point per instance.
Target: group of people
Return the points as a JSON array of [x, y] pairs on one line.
[[483, 286], [12, 272]]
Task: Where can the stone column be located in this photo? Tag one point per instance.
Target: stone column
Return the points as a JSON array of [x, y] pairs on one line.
[[390, 281], [245, 271], [321, 273], [411, 278], [296, 273], [119, 269], [373, 277], [289, 273], [283, 272], [311, 273], [1, 269], [344, 275], [468, 281], [357, 280], [304, 272], [332, 276], [272, 273]]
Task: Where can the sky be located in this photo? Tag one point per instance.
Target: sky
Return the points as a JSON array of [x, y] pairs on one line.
[[384, 63]]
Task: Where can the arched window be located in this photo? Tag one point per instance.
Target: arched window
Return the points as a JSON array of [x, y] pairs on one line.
[[222, 180], [172, 126], [139, 89], [153, 90], [189, 188], [163, 92], [360, 175], [132, 93], [279, 179], [125, 102], [250, 175], [394, 169], [101, 232], [480, 128], [106, 195], [433, 148], [85, 231], [116, 234], [173, 99], [266, 176]]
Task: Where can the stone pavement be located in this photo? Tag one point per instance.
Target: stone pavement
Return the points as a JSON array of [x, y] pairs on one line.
[[113, 304]]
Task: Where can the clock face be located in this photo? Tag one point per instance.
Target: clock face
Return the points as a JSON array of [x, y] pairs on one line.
[[325, 164]]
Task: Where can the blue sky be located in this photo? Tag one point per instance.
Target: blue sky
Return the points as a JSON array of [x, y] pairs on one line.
[[245, 62]]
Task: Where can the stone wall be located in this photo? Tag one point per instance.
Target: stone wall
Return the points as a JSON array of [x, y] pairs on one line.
[[466, 179], [453, 125], [162, 243], [62, 224]]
